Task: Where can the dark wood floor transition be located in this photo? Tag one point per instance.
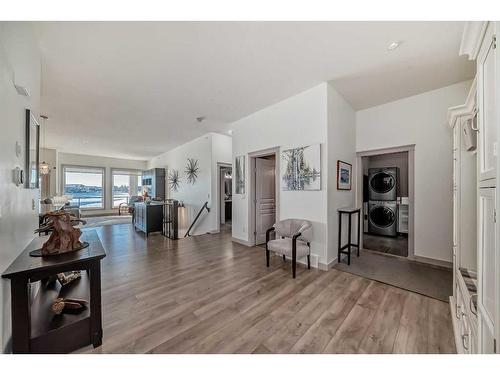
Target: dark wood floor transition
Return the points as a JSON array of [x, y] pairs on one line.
[[206, 294]]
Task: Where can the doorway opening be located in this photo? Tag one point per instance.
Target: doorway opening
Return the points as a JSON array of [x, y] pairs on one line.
[[386, 202], [263, 195], [225, 196]]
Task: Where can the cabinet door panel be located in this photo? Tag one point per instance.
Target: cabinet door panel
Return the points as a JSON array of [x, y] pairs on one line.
[[487, 255], [487, 106], [487, 340]]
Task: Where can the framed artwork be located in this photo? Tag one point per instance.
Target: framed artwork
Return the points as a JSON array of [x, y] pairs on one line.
[[301, 168], [32, 151], [239, 169], [344, 175]]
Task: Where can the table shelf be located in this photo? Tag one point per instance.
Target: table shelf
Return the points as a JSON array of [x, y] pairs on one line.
[[35, 328]]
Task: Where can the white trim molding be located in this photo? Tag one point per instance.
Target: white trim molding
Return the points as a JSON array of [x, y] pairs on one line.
[[464, 109], [472, 37]]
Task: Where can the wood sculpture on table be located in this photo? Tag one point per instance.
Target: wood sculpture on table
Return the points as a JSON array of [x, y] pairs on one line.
[[68, 305], [64, 237]]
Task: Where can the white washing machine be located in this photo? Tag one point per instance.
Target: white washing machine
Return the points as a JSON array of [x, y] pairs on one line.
[[382, 218], [382, 184]]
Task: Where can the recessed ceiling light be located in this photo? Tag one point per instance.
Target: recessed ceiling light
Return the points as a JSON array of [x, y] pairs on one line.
[[393, 45], [230, 131]]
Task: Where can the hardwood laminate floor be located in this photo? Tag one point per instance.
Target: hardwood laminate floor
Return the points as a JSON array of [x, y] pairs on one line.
[[206, 294]]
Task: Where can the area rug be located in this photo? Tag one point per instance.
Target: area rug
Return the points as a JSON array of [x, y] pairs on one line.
[[99, 221], [431, 281]]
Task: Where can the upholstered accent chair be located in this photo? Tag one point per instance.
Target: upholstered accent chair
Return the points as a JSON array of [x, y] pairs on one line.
[[293, 240]]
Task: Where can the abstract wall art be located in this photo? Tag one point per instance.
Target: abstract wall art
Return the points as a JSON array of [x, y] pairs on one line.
[[174, 180], [239, 174], [344, 175], [301, 168], [192, 170]]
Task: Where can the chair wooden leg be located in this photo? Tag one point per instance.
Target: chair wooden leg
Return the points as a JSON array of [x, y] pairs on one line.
[[294, 266], [267, 258], [308, 262]]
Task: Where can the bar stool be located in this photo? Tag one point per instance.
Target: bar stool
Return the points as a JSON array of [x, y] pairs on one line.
[[348, 211]]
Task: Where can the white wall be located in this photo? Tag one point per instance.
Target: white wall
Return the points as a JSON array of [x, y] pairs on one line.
[[297, 121], [341, 146], [209, 150], [421, 120], [19, 54], [97, 161]]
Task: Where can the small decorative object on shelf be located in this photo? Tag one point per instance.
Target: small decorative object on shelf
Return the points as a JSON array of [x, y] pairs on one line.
[[66, 278], [192, 170], [64, 237], [174, 180], [68, 305]]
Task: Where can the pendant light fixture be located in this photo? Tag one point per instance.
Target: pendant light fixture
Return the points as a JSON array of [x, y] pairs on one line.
[[44, 167]]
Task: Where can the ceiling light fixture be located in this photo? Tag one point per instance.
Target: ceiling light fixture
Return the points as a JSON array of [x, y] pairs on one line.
[[44, 167], [200, 119], [230, 131], [393, 45]]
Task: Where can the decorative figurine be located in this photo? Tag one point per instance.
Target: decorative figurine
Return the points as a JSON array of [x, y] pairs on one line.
[[68, 305], [64, 237]]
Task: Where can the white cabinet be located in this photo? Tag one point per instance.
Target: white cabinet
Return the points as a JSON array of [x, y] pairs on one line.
[[487, 105], [464, 229], [482, 325]]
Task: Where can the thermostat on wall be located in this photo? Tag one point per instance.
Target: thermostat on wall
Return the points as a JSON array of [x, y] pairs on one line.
[[18, 176]]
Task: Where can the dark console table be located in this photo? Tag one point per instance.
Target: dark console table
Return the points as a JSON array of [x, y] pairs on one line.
[[35, 328], [148, 217]]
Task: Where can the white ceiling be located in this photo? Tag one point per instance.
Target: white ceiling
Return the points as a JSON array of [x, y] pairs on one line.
[[134, 89]]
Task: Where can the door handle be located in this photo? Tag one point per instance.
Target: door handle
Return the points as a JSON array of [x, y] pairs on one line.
[[465, 336], [476, 129]]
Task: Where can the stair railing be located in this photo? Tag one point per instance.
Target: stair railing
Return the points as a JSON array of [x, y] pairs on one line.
[[205, 206]]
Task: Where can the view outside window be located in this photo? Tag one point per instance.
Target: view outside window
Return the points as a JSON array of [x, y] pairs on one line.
[[125, 185], [85, 186]]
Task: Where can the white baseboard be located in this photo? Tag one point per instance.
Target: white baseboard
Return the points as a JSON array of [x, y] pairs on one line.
[[325, 266], [241, 242], [433, 262]]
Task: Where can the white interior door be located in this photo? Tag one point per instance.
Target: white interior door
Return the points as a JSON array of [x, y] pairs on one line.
[[265, 198]]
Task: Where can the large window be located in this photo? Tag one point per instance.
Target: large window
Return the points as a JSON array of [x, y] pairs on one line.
[[126, 183], [85, 185]]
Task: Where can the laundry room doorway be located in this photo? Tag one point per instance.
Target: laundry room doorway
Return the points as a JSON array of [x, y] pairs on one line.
[[386, 180]]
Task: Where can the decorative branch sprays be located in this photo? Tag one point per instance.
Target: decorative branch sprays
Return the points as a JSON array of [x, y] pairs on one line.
[[174, 180], [192, 170]]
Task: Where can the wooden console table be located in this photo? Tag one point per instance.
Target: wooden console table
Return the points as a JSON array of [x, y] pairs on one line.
[[35, 328]]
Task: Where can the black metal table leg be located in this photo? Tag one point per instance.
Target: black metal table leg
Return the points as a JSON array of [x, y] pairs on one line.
[[340, 236], [359, 229], [349, 241], [346, 249]]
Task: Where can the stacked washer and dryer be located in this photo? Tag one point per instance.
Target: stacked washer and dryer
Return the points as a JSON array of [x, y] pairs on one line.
[[382, 201]]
